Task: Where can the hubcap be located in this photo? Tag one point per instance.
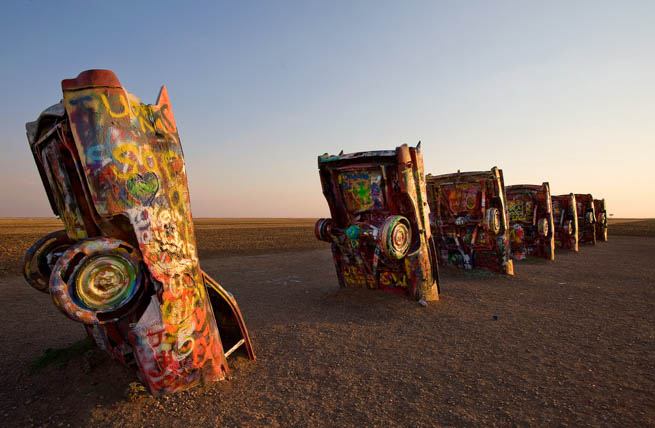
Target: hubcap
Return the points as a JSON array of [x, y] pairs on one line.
[[105, 282]]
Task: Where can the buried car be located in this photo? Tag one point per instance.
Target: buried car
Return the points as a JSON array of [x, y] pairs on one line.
[[565, 216], [469, 219], [586, 218], [532, 230], [601, 219], [379, 229], [126, 265]]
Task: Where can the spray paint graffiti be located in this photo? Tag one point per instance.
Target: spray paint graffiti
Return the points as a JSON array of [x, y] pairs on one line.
[[470, 220], [565, 216], [532, 228], [379, 227], [113, 166]]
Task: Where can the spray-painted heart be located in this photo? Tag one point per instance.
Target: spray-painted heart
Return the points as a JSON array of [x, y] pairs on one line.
[[143, 187]]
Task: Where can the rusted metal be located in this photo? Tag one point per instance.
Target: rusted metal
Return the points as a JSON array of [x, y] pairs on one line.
[[601, 219], [565, 216], [470, 221], [379, 229], [532, 229], [126, 265], [586, 218]]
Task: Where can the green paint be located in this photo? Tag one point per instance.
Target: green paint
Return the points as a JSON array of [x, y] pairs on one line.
[[143, 187], [364, 193]]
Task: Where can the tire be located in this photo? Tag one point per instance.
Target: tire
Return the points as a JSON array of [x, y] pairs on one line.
[[322, 229], [492, 220], [589, 217], [97, 281], [568, 227], [41, 258], [542, 227], [396, 237]]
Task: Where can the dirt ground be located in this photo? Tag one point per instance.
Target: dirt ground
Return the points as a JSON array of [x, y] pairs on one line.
[[574, 343]]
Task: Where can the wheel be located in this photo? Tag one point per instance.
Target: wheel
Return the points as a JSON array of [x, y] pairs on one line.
[[589, 217], [395, 237], [41, 258], [542, 227], [322, 229], [602, 220], [97, 280], [492, 220], [568, 227]]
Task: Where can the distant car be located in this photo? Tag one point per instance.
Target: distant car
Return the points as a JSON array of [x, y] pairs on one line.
[[470, 221], [565, 216], [532, 230], [601, 219], [379, 229], [586, 218], [126, 265]]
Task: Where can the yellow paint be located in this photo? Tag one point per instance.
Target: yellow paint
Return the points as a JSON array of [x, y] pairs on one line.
[[123, 101]]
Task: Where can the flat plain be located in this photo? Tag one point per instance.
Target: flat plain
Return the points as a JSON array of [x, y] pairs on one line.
[[573, 343]]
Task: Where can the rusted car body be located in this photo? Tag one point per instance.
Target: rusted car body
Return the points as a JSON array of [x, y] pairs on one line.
[[126, 265], [601, 219], [586, 218], [470, 221], [531, 226], [379, 229], [565, 215]]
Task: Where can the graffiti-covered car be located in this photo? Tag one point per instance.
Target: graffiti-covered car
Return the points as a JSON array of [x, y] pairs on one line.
[[469, 219], [532, 230], [565, 216], [379, 229], [586, 218], [601, 219], [126, 265]]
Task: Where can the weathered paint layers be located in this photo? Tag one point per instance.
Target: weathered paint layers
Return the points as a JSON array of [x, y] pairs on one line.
[[586, 218], [470, 220], [379, 229], [113, 167], [531, 225], [601, 219], [565, 216]]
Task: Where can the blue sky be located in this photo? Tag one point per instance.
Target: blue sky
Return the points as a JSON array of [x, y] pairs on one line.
[[548, 91]]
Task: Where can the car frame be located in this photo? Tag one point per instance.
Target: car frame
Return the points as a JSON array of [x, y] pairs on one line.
[[529, 207], [565, 216], [470, 221], [379, 227], [586, 218], [126, 265], [601, 219]]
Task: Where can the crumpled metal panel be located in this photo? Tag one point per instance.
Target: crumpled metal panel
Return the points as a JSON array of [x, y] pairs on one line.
[[601, 219], [379, 229], [565, 216], [531, 225], [470, 221], [113, 167], [586, 218]]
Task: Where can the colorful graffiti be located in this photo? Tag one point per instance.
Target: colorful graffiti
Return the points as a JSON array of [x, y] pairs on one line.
[[379, 227], [123, 174], [470, 220], [532, 228]]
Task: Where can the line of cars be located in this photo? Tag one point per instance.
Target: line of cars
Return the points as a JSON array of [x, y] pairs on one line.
[[414, 222], [126, 264]]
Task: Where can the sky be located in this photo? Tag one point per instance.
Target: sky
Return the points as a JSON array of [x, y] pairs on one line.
[[548, 91]]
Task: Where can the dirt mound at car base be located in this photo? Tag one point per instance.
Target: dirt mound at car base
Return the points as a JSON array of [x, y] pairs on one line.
[[572, 345]]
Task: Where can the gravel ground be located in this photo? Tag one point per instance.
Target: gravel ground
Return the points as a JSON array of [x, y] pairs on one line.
[[574, 345]]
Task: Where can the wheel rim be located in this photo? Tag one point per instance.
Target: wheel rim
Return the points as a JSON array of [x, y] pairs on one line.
[[397, 237], [105, 282]]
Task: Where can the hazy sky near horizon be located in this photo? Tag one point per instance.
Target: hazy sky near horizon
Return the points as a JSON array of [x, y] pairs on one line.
[[548, 91]]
